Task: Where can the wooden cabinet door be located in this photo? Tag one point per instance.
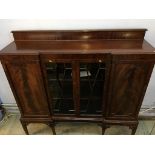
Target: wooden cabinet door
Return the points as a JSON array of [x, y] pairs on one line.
[[24, 75], [129, 79]]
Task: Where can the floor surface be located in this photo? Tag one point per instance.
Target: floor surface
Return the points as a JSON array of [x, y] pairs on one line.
[[11, 126]]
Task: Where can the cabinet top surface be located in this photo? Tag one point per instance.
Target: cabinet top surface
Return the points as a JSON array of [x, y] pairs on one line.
[[116, 41]]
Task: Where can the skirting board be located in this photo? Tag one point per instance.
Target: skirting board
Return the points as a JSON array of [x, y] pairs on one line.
[[148, 114], [11, 108]]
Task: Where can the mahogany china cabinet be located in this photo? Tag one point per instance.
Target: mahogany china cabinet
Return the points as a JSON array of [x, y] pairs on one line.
[[98, 76]]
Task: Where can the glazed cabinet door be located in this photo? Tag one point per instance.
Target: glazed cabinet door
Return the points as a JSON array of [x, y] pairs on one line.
[[129, 79], [58, 77], [76, 83], [25, 77], [92, 86]]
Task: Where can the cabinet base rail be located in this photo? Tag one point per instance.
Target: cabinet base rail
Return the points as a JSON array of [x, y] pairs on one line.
[[104, 124]]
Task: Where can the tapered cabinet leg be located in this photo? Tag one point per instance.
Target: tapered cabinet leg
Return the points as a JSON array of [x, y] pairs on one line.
[[133, 128], [103, 130], [104, 127], [24, 125], [53, 128]]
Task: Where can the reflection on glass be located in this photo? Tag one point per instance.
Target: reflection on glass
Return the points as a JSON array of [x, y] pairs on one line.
[[91, 87], [60, 85], [61, 89]]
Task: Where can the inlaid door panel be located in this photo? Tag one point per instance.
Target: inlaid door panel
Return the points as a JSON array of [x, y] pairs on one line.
[[128, 84], [26, 79]]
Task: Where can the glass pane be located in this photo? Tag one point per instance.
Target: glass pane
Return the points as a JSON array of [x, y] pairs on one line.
[[63, 106], [91, 87], [60, 85], [90, 107]]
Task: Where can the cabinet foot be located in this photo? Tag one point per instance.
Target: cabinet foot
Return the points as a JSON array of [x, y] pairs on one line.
[[53, 128], [24, 125], [104, 127], [133, 128]]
